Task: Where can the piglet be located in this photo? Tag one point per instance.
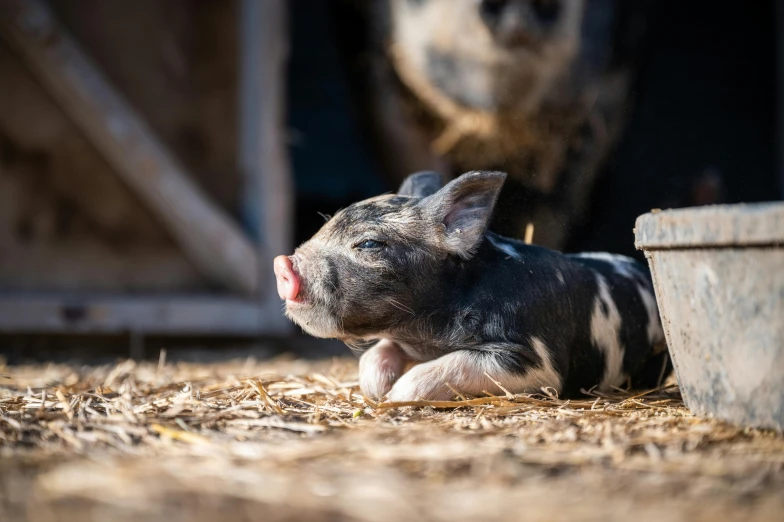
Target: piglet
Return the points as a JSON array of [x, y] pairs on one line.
[[418, 277]]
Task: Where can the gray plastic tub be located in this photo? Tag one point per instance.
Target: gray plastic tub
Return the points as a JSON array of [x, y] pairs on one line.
[[719, 277]]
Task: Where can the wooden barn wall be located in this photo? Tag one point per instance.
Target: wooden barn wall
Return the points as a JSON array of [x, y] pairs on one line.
[[67, 222]]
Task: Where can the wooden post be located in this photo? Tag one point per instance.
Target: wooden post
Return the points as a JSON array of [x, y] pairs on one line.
[[263, 155], [262, 101], [208, 237], [780, 95]]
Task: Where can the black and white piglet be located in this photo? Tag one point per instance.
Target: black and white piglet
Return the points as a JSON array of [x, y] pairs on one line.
[[420, 272]]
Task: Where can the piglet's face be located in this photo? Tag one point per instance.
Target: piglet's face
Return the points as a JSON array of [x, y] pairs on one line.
[[375, 264]]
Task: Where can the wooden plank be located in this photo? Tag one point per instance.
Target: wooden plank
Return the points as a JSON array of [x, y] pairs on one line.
[[142, 315], [209, 238], [263, 154]]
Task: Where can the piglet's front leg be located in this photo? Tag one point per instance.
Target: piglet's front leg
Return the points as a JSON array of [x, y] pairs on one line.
[[379, 368], [474, 372]]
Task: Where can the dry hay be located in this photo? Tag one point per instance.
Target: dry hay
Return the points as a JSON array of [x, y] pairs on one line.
[[289, 440]]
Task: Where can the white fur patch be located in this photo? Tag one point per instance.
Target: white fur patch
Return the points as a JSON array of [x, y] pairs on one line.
[[654, 329], [504, 246], [560, 277], [544, 375], [464, 372], [623, 266], [626, 267], [605, 335]]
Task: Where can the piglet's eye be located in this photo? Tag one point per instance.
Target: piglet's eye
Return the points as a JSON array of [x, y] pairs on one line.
[[369, 244]]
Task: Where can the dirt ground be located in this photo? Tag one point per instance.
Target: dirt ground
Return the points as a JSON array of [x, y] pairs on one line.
[[294, 440]]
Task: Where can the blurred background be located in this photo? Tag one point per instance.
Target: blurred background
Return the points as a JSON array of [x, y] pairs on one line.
[[155, 156]]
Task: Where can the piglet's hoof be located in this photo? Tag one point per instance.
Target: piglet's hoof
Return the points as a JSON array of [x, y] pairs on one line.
[[379, 368], [420, 383]]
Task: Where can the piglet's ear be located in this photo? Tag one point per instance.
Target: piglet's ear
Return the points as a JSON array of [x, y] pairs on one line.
[[464, 207], [421, 184]]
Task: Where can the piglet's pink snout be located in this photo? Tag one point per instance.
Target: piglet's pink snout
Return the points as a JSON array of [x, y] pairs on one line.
[[288, 279]]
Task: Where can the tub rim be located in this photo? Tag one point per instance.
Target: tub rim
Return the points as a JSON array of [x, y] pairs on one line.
[[714, 226]]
